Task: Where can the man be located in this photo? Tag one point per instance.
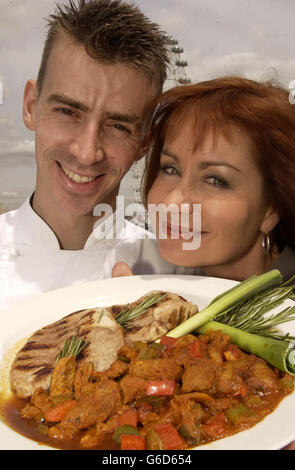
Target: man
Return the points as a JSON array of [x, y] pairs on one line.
[[103, 63]]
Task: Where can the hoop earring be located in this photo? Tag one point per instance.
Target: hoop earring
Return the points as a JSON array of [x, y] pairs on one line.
[[266, 244]]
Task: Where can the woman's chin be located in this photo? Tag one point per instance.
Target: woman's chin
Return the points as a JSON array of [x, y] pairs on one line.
[[174, 255]]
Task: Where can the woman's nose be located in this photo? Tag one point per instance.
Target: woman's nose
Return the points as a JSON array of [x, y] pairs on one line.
[[180, 196]]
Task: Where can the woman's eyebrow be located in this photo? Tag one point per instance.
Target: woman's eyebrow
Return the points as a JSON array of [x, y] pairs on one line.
[[169, 154], [204, 164]]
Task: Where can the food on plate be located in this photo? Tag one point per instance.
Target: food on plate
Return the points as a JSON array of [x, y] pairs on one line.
[[132, 376], [240, 312], [176, 394], [102, 334]]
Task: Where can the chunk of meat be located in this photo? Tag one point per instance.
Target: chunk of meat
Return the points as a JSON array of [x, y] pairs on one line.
[[63, 431], [228, 382], [219, 339], [132, 388], [199, 377], [97, 406], [262, 378], [156, 369], [32, 413], [83, 377], [41, 399], [117, 368], [63, 376]]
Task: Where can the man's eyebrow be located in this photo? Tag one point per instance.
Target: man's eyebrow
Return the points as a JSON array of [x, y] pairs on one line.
[[63, 99]]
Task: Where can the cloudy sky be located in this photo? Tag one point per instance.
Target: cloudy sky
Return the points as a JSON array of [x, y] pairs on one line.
[[252, 38]]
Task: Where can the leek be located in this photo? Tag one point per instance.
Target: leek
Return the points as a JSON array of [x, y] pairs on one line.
[[228, 300], [278, 353]]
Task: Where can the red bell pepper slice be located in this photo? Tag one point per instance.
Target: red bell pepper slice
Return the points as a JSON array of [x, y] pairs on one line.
[[129, 416], [216, 426], [170, 437], [132, 442], [168, 342], [160, 387], [195, 349]]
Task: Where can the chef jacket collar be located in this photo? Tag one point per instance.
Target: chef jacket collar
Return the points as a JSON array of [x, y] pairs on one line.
[[30, 229]]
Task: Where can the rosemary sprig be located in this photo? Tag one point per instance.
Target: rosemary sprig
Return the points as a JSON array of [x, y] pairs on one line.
[[126, 317], [72, 347], [249, 315]]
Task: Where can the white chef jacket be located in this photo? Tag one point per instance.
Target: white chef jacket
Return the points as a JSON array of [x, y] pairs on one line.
[[31, 261]]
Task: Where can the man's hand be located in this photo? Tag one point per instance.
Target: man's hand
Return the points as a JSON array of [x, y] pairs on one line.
[[121, 269]]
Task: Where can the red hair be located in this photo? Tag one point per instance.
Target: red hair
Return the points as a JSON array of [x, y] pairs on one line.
[[262, 111]]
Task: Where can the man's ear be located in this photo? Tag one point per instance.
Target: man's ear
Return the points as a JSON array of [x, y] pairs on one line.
[[29, 104], [270, 220]]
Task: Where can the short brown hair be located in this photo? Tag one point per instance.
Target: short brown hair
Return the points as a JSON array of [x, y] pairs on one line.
[[111, 31], [262, 111]]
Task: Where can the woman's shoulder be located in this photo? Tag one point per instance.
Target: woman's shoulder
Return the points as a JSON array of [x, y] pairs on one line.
[[285, 263]]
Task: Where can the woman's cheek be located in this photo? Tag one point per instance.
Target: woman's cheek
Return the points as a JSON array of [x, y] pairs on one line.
[[225, 215]]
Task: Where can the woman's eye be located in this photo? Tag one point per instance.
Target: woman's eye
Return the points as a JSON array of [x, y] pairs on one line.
[[217, 181], [169, 170]]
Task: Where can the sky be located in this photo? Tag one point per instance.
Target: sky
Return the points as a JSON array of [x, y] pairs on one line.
[[250, 38]]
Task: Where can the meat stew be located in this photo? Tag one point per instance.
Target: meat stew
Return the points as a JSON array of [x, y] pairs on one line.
[[176, 394]]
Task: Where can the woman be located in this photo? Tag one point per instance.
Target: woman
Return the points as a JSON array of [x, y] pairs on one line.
[[229, 145]]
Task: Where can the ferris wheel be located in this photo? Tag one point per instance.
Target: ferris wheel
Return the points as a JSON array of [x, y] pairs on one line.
[[177, 75]]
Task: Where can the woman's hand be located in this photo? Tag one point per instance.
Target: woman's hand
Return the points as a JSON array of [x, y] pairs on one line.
[[121, 269]]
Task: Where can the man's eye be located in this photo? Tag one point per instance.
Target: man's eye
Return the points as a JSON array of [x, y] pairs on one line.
[[121, 128], [65, 111]]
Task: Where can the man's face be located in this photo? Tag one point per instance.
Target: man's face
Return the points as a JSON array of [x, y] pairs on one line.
[[88, 121]]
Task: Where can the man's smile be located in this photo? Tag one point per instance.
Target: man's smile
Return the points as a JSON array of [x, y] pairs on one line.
[[76, 177], [76, 183]]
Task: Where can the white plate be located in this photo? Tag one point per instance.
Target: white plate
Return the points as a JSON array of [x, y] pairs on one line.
[[274, 432]]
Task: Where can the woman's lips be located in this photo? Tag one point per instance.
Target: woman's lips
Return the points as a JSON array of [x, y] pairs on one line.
[[180, 232]]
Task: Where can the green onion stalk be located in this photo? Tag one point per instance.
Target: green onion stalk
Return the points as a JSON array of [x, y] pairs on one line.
[[229, 299]]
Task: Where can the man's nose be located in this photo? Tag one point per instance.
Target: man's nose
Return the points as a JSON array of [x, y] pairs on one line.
[[87, 145]]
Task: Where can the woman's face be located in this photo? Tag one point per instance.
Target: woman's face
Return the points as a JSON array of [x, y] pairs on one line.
[[226, 182]]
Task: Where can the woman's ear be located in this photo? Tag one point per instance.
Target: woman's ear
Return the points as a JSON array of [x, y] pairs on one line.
[[270, 220], [29, 104]]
